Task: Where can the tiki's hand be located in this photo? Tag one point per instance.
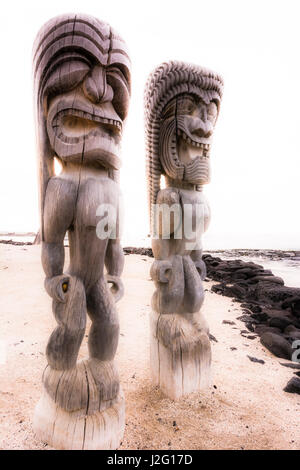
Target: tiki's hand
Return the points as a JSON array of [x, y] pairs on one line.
[[117, 288], [161, 271], [201, 268], [57, 287]]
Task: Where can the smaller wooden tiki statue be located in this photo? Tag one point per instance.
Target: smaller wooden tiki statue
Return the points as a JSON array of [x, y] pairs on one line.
[[181, 108], [82, 86]]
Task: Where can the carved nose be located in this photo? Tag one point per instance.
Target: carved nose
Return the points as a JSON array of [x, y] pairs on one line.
[[201, 128], [95, 86]]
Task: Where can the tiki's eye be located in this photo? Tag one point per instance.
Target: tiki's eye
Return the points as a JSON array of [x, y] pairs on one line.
[[212, 111], [65, 286], [191, 107], [120, 86], [186, 105], [66, 77]]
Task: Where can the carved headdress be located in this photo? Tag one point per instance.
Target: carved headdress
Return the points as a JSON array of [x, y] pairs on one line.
[[167, 82], [70, 50]]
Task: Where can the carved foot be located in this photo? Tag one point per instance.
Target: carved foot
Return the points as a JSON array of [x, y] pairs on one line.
[[81, 408], [180, 353]]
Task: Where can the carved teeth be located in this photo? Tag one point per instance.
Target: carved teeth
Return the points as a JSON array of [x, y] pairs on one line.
[[57, 125], [191, 142], [89, 116]]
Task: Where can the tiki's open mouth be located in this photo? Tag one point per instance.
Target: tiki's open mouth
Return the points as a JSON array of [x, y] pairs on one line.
[[191, 147], [74, 125]]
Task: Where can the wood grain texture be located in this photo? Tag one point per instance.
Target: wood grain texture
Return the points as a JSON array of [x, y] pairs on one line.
[[182, 104], [103, 430], [82, 88], [180, 353]]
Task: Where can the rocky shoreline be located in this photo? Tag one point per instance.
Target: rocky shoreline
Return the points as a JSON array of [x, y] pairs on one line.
[[14, 243], [271, 310]]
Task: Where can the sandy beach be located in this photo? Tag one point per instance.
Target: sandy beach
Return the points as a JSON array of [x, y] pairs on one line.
[[246, 408]]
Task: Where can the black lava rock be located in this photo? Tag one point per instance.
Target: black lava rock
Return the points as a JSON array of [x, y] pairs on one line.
[[212, 338], [131, 250], [291, 365], [294, 304], [294, 335], [278, 345], [261, 329], [271, 309], [249, 326], [293, 385], [280, 322], [260, 317], [247, 319], [254, 359]]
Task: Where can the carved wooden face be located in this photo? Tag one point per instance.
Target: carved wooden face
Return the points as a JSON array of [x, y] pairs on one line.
[[195, 123], [85, 107], [185, 137]]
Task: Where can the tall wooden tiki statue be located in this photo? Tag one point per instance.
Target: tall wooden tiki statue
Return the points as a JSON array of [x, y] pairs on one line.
[[82, 86], [181, 108]]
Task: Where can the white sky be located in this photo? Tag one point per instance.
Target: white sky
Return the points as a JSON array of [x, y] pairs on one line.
[[255, 190]]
